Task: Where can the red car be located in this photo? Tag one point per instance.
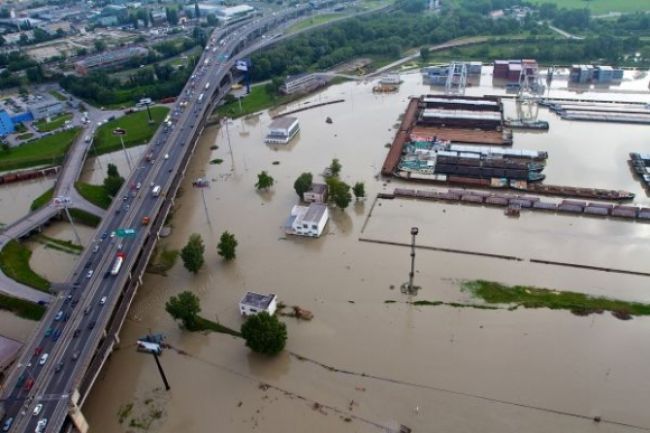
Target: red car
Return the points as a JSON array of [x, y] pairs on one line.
[[38, 351], [28, 384]]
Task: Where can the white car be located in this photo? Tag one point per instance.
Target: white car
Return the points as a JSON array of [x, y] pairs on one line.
[[90, 274], [37, 409], [167, 156], [102, 301], [40, 426], [43, 359]]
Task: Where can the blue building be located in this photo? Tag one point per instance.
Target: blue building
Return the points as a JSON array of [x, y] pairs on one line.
[[6, 124]]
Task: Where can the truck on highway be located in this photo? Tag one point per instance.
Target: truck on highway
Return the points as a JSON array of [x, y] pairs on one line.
[[155, 191], [117, 264]]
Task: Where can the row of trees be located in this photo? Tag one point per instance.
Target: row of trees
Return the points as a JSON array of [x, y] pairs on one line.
[[193, 252], [338, 191]]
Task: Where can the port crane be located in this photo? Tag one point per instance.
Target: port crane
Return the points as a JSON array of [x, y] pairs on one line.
[[456, 78]]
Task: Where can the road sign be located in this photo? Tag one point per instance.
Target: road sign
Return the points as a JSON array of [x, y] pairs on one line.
[[122, 233]]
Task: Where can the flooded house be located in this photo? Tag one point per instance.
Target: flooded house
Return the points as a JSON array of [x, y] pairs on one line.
[[254, 303], [282, 130], [307, 220]]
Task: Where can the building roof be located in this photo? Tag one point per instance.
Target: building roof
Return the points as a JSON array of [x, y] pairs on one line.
[[234, 10], [460, 101], [257, 300], [284, 122], [9, 349], [461, 114], [314, 213], [318, 188]]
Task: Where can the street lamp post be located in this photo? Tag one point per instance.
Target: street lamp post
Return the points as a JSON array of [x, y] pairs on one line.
[[149, 112], [409, 288], [121, 133], [62, 201]]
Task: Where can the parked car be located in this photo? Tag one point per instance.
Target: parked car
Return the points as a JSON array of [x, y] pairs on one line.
[[59, 315], [7, 425]]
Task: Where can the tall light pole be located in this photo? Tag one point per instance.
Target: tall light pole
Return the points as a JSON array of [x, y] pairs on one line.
[[409, 288], [149, 112], [120, 132], [63, 202]]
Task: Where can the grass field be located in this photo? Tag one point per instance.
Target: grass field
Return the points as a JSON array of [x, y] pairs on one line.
[[601, 6], [14, 262], [83, 217], [57, 95], [46, 150], [96, 194], [258, 99], [533, 297], [44, 126], [25, 136], [318, 19], [138, 130], [42, 200], [25, 309]]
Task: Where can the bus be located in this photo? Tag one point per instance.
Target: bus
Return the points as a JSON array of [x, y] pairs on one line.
[[119, 259]]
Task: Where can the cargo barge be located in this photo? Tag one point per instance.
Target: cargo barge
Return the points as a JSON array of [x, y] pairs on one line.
[[519, 202], [640, 163], [536, 125]]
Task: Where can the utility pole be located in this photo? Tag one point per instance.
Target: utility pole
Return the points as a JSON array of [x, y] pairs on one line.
[[232, 157], [121, 133], [149, 112], [161, 371], [409, 288], [63, 201]]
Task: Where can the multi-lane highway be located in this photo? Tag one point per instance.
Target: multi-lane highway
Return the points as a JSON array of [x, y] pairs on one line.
[[38, 393]]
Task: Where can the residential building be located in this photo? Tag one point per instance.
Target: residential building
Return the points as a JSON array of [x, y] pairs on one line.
[[307, 220], [108, 59], [303, 83], [9, 350], [6, 124], [254, 303], [390, 79], [234, 12], [282, 130], [47, 107], [316, 194]]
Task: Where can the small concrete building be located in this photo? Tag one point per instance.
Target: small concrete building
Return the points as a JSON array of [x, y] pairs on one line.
[[9, 350], [282, 130], [303, 83], [316, 194], [45, 108], [307, 220], [254, 303], [390, 79]]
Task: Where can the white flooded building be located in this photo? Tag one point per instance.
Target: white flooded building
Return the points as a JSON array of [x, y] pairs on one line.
[[253, 303], [307, 220], [390, 79], [282, 130]]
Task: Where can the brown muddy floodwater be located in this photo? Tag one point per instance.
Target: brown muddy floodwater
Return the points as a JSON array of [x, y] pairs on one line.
[[16, 198], [430, 368]]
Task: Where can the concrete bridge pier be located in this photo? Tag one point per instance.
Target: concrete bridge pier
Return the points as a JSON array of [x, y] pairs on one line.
[[78, 419]]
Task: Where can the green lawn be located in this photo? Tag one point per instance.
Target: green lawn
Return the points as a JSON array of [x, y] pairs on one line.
[[44, 126], [14, 262], [57, 95], [601, 6], [42, 200], [258, 99], [22, 308], [96, 194], [25, 136], [138, 130], [44, 151], [83, 217], [533, 297], [318, 19]]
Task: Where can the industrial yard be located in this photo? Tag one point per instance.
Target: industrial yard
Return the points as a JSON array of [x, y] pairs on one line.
[[456, 357]]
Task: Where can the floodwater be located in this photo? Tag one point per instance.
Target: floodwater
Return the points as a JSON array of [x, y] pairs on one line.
[[94, 170], [16, 198], [429, 368]]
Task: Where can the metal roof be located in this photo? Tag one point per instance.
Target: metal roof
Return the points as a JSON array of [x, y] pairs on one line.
[[257, 300], [285, 122], [315, 212]]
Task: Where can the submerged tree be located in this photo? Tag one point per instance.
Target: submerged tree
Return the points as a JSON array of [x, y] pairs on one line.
[[184, 307], [359, 190], [264, 333], [303, 184], [192, 253], [264, 181], [339, 192], [227, 246]]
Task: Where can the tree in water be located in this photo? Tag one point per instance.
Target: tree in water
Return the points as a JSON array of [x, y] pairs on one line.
[[264, 333], [264, 181], [192, 253], [303, 184], [227, 246], [184, 307]]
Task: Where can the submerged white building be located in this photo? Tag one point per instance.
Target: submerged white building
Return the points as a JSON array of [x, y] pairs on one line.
[[282, 130], [254, 303], [307, 220]]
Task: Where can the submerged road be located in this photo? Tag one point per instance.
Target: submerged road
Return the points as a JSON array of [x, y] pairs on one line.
[[56, 360]]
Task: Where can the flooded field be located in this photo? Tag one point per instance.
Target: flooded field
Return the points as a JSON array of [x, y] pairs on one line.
[[95, 168], [16, 198], [430, 368]]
